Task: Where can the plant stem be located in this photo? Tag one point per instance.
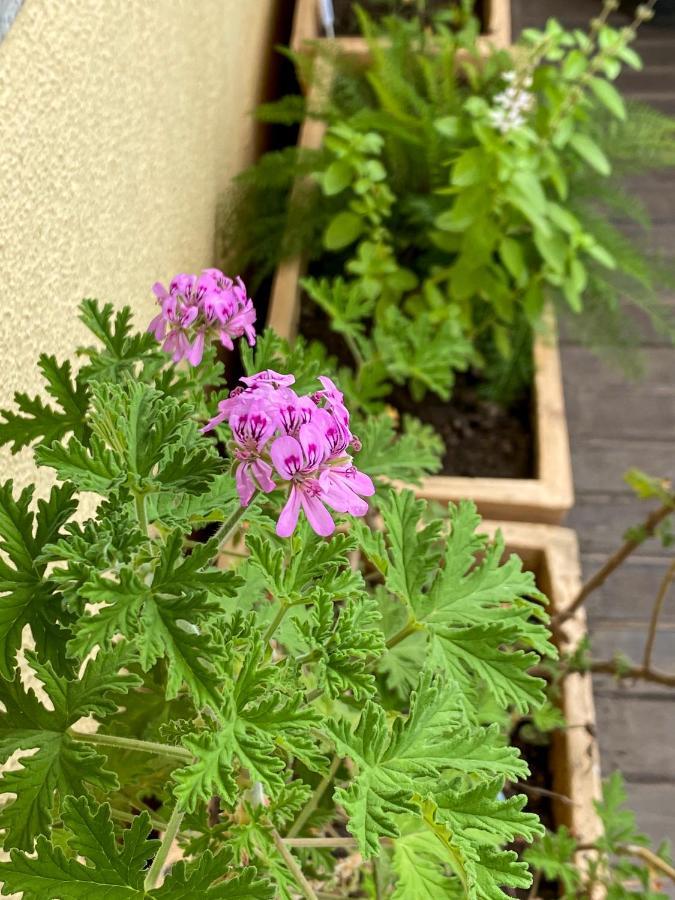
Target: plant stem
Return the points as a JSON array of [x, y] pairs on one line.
[[292, 865], [647, 529], [276, 621], [652, 860], [226, 530], [401, 635], [314, 695], [125, 743], [321, 842], [141, 514], [656, 613], [307, 658], [172, 828], [353, 349], [544, 792], [611, 667], [313, 801]]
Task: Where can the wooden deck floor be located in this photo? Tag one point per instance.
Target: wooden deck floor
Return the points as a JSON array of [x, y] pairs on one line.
[[615, 424]]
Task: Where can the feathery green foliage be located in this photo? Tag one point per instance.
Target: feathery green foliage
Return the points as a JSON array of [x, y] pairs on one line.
[[428, 200]]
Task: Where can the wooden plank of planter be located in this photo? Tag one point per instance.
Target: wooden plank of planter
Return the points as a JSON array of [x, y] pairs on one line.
[[549, 495], [307, 30], [553, 555]]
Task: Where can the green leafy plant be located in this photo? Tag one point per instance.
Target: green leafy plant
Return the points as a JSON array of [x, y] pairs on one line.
[[465, 193], [195, 704], [204, 702]]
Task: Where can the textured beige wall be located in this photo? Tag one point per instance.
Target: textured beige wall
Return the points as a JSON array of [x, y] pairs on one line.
[[120, 123]]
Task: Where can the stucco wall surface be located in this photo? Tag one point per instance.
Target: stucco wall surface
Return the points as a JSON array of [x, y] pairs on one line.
[[121, 121]]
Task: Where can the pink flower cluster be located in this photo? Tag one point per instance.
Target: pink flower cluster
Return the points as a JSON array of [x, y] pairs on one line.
[[196, 309], [302, 440]]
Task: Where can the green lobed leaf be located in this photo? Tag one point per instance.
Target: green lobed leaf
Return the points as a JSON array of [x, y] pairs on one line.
[[37, 422], [407, 455], [342, 646], [122, 350], [393, 766], [102, 866], [413, 552], [61, 765], [29, 596]]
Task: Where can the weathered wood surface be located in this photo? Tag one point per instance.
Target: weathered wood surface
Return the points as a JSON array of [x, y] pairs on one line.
[[615, 423]]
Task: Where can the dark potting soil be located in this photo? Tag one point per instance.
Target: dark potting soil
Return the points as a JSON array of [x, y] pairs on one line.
[[482, 438], [347, 23]]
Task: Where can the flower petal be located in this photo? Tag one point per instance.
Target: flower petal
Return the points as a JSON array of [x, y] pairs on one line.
[[286, 454], [158, 327], [317, 514], [245, 484], [360, 482], [196, 351], [313, 445], [268, 376], [263, 475], [289, 514]]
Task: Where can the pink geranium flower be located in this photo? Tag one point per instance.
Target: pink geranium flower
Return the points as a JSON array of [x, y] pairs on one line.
[[198, 309], [284, 440], [297, 460], [252, 431]]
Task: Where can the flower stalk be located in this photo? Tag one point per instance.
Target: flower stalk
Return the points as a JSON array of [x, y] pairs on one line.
[[172, 829]]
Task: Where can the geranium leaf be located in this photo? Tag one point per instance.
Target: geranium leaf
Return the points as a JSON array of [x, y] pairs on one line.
[[61, 765]]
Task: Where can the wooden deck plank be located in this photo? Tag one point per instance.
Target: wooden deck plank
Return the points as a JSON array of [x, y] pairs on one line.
[[601, 518], [609, 638], [647, 405], [628, 595], [623, 723], [654, 805], [599, 464]]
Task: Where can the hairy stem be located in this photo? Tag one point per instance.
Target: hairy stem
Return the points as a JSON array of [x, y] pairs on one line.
[[172, 828], [656, 613], [307, 658], [314, 695], [401, 635], [612, 667], [292, 865], [125, 743], [314, 800], [647, 529], [650, 858], [226, 530], [321, 842], [544, 792], [354, 350], [276, 621], [141, 514], [534, 890]]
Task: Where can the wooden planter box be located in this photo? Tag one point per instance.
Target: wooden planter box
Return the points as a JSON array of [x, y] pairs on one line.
[[553, 555], [307, 29], [545, 498]]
